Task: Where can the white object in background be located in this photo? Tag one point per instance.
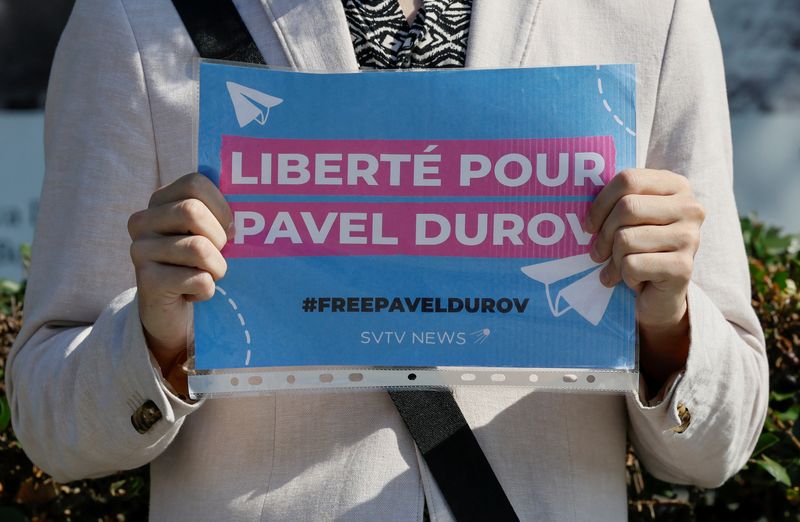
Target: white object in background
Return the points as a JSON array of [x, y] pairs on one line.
[[21, 176], [587, 296]]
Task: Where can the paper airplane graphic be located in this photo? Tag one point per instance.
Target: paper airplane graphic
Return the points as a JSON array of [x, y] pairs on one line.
[[250, 104], [587, 296]]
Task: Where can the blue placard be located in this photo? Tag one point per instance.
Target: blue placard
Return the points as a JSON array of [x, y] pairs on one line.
[[414, 219]]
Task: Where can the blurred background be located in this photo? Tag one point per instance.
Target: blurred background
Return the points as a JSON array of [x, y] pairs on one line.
[[760, 40], [761, 45]]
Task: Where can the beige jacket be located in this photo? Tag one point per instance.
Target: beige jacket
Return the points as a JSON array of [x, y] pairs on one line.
[[119, 125]]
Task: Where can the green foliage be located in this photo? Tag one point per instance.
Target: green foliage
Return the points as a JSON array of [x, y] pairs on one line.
[[26, 492], [768, 488]]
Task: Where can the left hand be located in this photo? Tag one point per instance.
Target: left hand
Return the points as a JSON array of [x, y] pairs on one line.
[[648, 223]]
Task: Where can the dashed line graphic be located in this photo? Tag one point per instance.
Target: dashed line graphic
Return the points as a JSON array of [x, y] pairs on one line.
[[608, 107], [240, 317]]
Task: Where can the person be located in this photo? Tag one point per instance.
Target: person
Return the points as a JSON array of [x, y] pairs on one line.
[[94, 379]]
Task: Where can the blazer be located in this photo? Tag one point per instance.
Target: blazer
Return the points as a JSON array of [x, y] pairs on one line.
[[119, 124]]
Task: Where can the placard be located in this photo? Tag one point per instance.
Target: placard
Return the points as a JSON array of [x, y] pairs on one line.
[[413, 228]]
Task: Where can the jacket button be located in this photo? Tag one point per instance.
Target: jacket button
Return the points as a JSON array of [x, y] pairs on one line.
[[145, 416], [684, 416]]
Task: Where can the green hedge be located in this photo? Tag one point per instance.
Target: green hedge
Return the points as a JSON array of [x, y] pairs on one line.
[[768, 488], [27, 493]]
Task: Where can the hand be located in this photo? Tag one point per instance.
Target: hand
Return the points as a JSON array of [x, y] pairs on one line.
[[648, 224], [176, 254]]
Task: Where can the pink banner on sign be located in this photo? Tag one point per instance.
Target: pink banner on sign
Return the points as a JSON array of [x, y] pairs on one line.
[[508, 167], [463, 229]]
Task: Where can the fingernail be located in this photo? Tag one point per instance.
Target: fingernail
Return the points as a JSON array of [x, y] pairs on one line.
[[231, 230], [594, 254], [604, 277], [587, 224]]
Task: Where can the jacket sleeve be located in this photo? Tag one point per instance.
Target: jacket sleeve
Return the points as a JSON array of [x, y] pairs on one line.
[[707, 424], [80, 367]]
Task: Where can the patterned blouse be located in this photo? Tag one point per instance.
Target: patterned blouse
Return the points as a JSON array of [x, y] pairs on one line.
[[383, 39]]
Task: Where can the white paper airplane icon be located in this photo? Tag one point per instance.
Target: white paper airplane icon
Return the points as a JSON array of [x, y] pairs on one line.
[[587, 295], [250, 104]]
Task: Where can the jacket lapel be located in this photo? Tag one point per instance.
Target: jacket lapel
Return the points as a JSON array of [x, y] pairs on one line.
[[500, 32], [314, 34]]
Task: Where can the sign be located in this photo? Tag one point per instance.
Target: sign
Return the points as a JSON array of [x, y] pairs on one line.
[[413, 228], [21, 178]]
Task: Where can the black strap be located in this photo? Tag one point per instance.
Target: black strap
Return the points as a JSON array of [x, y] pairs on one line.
[[218, 31], [434, 419], [453, 455]]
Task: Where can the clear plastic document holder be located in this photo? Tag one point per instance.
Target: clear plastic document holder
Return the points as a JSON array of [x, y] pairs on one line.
[[413, 229]]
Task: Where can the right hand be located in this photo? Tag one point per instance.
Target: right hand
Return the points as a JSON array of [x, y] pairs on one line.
[[176, 255]]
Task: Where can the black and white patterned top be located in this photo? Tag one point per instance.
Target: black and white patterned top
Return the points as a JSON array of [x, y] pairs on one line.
[[383, 39]]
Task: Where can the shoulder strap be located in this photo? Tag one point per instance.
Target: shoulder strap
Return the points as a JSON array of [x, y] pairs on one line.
[[453, 455], [218, 31], [434, 419]]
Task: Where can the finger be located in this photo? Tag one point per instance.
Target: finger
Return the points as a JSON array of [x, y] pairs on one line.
[[187, 251], [186, 217], [662, 269], [632, 181], [157, 279], [632, 210], [647, 239], [195, 186]]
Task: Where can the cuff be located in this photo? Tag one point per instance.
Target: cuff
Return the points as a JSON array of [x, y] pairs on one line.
[[666, 392], [177, 400], [672, 408], [154, 407], [678, 438]]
